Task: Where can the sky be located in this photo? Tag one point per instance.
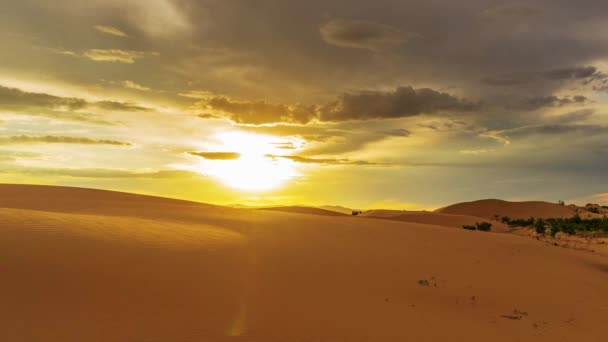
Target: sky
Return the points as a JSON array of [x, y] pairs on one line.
[[366, 104]]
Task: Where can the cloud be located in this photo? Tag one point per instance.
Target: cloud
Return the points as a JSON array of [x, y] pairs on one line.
[[403, 102], [133, 85], [397, 132], [559, 74], [99, 173], [361, 34], [217, 155], [323, 161], [259, 112], [12, 98], [120, 106], [52, 139], [475, 152], [364, 105], [7, 155], [534, 103], [114, 55], [64, 108], [505, 136], [111, 31]]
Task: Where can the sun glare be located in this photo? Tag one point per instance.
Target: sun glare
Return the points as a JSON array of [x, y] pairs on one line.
[[254, 169]]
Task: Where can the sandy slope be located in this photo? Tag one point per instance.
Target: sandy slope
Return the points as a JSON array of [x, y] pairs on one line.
[[440, 219], [99, 266], [515, 210], [305, 210], [434, 218]]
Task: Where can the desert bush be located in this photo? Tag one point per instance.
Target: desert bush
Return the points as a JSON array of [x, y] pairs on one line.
[[576, 224], [484, 226], [469, 227], [540, 226], [521, 222]]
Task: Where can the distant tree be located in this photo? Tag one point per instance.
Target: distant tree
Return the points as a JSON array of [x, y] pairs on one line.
[[357, 212], [560, 202]]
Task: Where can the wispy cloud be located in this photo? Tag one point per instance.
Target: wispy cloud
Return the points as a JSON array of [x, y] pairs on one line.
[[216, 155], [324, 161], [115, 55], [111, 31], [53, 139], [64, 108], [362, 34], [134, 85]]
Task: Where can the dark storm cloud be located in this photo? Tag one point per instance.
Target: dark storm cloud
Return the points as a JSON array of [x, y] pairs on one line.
[[403, 102], [217, 155], [53, 139], [362, 34]]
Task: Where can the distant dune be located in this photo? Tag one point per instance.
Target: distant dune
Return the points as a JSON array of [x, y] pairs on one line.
[[337, 208], [434, 218], [87, 265], [514, 210], [305, 210]]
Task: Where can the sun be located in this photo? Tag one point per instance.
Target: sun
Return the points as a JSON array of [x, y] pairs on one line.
[[255, 169]]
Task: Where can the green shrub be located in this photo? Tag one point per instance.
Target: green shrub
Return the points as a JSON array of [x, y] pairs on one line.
[[484, 226]]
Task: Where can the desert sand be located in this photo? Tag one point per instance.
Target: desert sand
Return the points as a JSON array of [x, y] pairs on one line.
[[514, 210], [305, 210], [436, 218], [89, 265]]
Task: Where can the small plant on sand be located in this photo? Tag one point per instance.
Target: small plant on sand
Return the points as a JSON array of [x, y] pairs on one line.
[[357, 212], [484, 226], [469, 227], [516, 315], [424, 282], [561, 202]]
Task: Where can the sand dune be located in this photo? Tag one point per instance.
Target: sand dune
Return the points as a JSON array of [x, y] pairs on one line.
[[439, 219], [305, 210], [89, 265], [514, 210]]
